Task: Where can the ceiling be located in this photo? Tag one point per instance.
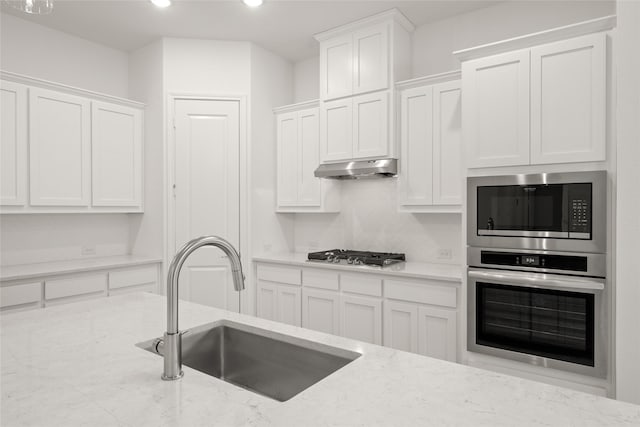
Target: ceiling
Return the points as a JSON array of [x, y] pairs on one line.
[[285, 27]]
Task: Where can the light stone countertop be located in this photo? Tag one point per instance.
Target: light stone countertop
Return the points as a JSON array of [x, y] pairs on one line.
[[416, 270], [77, 365], [43, 269]]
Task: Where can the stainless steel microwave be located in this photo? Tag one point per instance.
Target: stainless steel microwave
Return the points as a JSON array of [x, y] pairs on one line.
[[550, 211]]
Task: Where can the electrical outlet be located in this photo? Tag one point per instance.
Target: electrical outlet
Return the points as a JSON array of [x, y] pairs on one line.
[[444, 253], [88, 250], [266, 248]]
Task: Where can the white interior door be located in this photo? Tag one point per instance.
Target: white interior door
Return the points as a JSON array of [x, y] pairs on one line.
[[207, 195]]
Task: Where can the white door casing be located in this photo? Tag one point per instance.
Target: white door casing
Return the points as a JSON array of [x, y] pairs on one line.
[[207, 195]]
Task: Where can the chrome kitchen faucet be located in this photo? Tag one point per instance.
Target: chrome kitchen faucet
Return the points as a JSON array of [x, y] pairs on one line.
[[172, 337]]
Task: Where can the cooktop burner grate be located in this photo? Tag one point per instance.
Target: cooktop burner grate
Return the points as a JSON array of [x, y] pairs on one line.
[[342, 256]]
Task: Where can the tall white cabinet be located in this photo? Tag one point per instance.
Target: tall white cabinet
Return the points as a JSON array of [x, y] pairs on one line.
[[430, 178], [359, 64], [67, 150], [13, 144], [298, 153], [542, 104]]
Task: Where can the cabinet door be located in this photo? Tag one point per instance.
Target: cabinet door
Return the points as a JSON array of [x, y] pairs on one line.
[[496, 110], [336, 130], [447, 144], [568, 100], [308, 157], [13, 144], [437, 333], [416, 136], [371, 125], [266, 306], [371, 59], [116, 151], [287, 125], [321, 311], [336, 67], [59, 149], [289, 305], [401, 325], [362, 318]]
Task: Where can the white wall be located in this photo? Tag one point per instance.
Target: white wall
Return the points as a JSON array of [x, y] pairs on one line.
[[368, 213], [146, 82], [628, 202], [271, 86], [37, 51], [306, 80], [434, 43]]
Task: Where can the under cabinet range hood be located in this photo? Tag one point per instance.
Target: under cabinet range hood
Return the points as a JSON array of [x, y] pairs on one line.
[[383, 168]]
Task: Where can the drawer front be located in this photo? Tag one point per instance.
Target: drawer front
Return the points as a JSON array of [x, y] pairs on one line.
[[78, 285], [421, 292], [359, 284], [321, 279], [26, 293], [272, 273], [133, 277]]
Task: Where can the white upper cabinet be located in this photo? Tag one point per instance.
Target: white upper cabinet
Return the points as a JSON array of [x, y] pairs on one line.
[[298, 137], [568, 100], [542, 104], [359, 63], [116, 147], [336, 62], [371, 125], [13, 144], [371, 58], [68, 150], [496, 110], [431, 144], [59, 149]]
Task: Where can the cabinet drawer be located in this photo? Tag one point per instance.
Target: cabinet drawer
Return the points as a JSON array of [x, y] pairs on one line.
[[79, 285], [26, 293], [358, 284], [279, 274], [421, 292], [321, 279], [133, 277]]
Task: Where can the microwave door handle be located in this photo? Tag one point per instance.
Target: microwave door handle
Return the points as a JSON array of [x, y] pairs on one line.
[[537, 280]]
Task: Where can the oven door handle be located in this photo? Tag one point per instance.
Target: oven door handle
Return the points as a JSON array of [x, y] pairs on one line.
[[538, 280]]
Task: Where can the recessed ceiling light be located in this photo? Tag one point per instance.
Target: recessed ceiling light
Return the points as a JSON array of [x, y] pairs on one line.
[[252, 3], [161, 3]]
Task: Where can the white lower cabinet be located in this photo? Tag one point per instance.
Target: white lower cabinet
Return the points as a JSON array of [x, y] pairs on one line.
[[20, 296], [362, 318], [321, 310], [56, 288], [414, 315], [279, 302], [437, 333], [401, 325]]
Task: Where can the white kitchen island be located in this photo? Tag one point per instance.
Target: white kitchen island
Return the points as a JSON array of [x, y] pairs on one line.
[[77, 365]]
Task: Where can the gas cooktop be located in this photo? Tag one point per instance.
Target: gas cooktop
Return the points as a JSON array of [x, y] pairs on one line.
[[342, 256]]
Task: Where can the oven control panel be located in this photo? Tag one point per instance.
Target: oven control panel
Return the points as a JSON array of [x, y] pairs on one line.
[[545, 261]]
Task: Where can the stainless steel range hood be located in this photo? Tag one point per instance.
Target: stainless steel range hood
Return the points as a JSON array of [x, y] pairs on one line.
[[383, 168]]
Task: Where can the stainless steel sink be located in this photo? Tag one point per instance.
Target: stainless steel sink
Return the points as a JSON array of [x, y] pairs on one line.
[[274, 365]]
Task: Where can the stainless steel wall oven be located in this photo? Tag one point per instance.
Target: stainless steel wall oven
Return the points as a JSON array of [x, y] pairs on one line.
[[537, 270]]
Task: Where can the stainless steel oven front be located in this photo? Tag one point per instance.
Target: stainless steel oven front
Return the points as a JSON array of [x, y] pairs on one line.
[[549, 211], [542, 318]]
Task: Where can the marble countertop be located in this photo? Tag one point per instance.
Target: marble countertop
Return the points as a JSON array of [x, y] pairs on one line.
[[42, 269], [77, 365], [417, 270]]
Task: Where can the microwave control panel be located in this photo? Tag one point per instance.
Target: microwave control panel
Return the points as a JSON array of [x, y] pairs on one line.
[[580, 208]]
